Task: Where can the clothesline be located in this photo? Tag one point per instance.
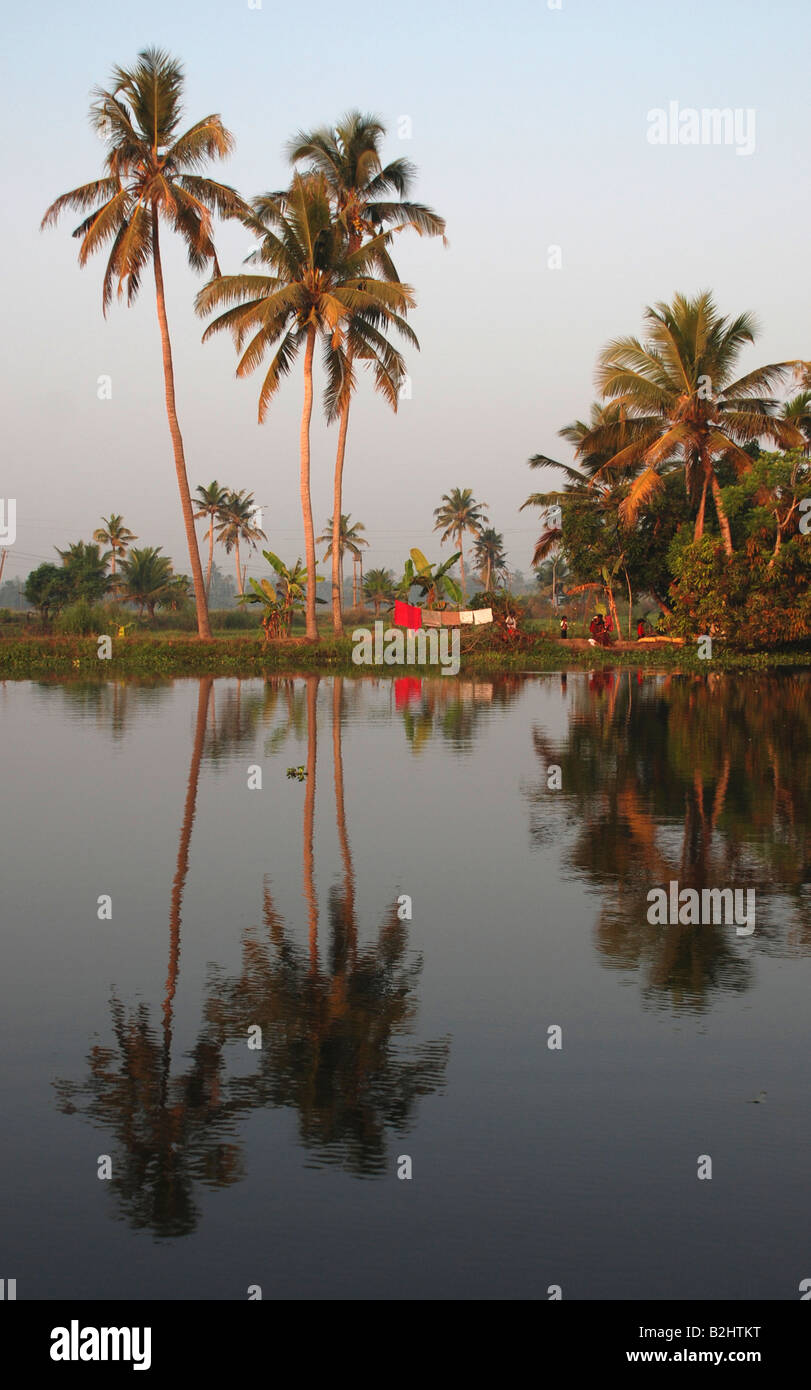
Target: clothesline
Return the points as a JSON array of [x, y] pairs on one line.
[[410, 616]]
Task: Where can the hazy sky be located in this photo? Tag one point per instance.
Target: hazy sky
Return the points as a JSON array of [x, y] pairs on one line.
[[530, 130]]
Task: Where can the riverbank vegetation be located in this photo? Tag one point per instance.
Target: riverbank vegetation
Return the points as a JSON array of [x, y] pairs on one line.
[[170, 654]]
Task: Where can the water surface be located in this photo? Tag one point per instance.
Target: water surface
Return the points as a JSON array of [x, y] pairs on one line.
[[526, 820]]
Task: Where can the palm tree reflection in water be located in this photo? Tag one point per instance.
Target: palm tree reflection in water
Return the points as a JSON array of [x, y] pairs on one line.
[[333, 1035], [697, 779]]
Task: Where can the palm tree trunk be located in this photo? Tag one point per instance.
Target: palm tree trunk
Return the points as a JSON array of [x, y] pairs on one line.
[[354, 581], [462, 567], [203, 625], [311, 627], [210, 556], [239, 571], [337, 576], [630, 607], [778, 543], [699, 527], [723, 519]]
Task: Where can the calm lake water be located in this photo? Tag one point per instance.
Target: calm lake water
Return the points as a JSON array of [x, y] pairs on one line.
[[526, 820]]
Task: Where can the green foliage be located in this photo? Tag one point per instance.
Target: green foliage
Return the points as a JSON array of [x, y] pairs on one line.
[[147, 579], [49, 589], [490, 555], [502, 602], [646, 544], [232, 619], [114, 533], [349, 538], [751, 600], [58, 658], [310, 274], [378, 587], [87, 568], [183, 619], [235, 521], [82, 617], [755, 595], [149, 167], [458, 513], [436, 585], [682, 406], [290, 594]]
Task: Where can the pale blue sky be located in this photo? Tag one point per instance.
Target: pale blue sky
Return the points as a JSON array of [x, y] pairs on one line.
[[529, 129]]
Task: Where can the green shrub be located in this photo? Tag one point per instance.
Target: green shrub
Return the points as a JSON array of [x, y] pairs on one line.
[[752, 600], [234, 619], [82, 618], [117, 613], [178, 620], [501, 601]]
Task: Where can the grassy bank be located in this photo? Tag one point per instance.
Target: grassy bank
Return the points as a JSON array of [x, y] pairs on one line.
[[38, 658]]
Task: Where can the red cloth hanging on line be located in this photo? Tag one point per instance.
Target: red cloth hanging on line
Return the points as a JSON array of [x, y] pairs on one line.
[[406, 615]]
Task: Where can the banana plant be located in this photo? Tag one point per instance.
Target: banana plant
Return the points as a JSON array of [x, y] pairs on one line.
[[273, 618], [436, 585], [280, 602]]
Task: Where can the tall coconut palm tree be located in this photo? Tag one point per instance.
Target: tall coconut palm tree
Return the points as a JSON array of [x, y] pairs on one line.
[[350, 161], [210, 502], [349, 539], [459, 513], [152, 175], [490, 556], [237, 523], [316, 282], [115, 534], [147, 578], [680, 397]]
